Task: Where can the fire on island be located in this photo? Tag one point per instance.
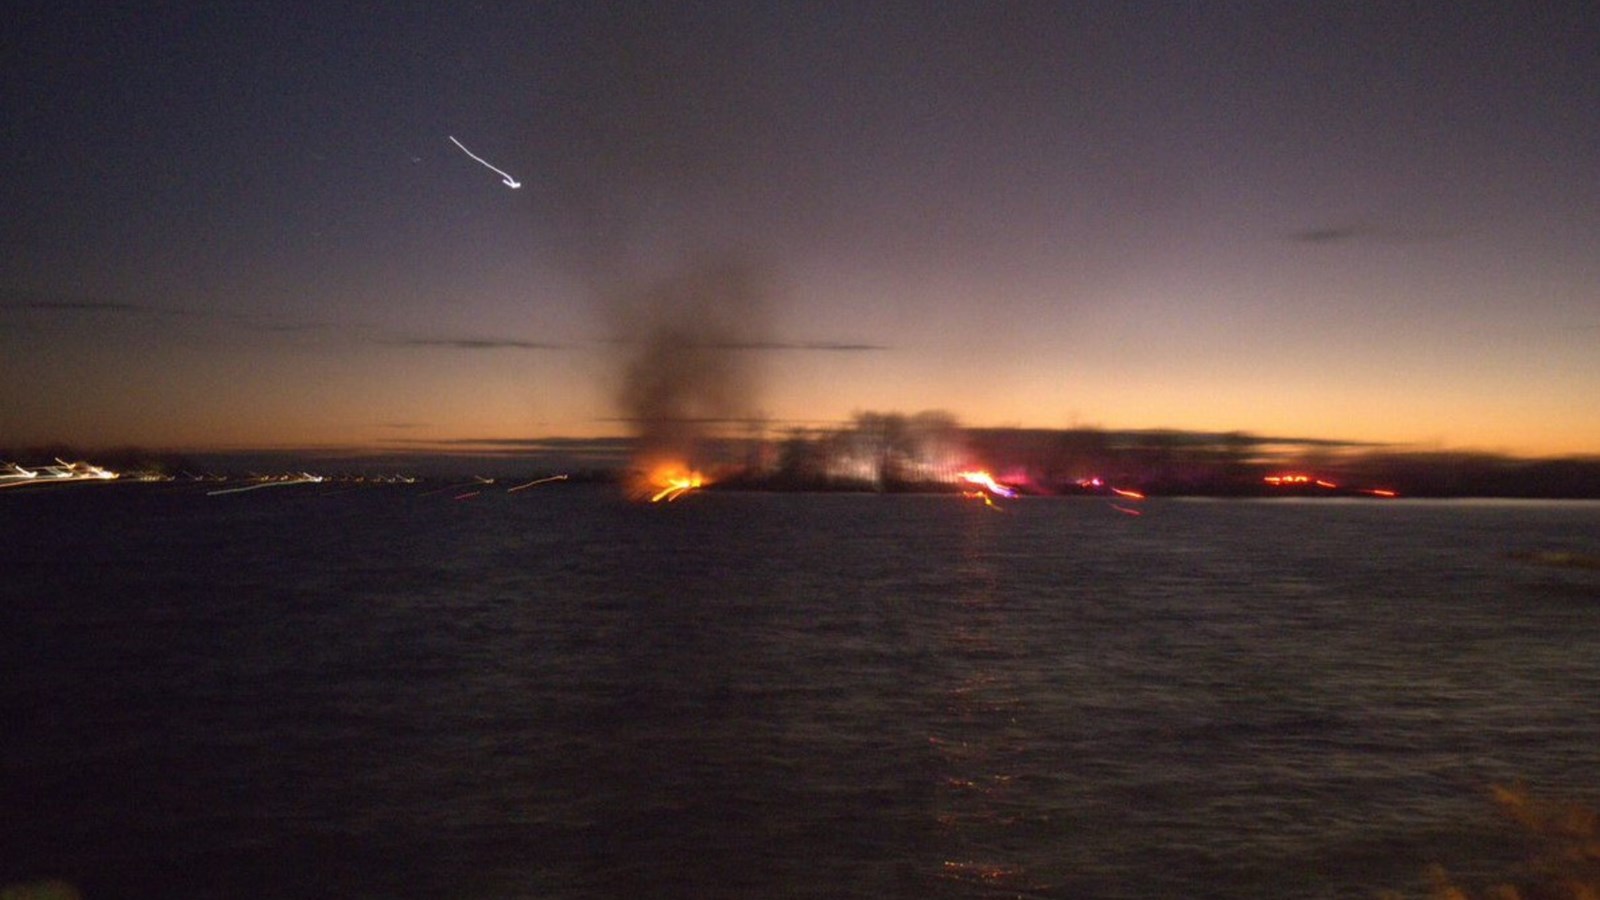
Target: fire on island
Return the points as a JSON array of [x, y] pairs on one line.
[[888, 452], [932, 452]]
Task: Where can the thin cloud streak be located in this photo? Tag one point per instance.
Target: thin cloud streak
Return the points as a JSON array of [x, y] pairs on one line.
[[543, 443], [31, 302], [476, 344], [719, 420], [818, 346], [825, 346], [24, 300], [610, 452]]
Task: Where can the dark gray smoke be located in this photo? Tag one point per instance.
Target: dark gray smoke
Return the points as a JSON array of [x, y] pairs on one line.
[[687, 372], [655, 145]]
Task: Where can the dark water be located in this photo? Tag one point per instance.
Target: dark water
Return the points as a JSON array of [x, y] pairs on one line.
[[315, 692]]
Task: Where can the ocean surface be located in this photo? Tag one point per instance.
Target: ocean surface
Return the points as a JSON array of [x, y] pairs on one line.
[[326, 691]]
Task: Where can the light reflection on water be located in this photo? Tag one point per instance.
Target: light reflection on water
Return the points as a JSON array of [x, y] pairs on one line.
[[562, 694], [977, 736]]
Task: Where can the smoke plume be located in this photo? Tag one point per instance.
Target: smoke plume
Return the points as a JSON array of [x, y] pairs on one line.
[[687, 368]]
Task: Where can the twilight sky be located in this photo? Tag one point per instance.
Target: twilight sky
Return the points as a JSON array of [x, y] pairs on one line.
[[235, 225]]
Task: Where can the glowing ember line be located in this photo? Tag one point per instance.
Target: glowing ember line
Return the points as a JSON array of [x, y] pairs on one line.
[[984, 496], [536, 481], [677, 486]]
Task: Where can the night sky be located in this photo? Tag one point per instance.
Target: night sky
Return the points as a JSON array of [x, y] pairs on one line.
[[232, 225]]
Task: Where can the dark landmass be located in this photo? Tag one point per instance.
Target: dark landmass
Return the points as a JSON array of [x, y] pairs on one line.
[[902, 454], [923, 453]]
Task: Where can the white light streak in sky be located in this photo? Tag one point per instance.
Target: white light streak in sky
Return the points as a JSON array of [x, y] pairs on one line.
[[509, 181]]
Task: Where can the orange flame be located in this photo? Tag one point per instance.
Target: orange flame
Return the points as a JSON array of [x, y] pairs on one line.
[[986, 481], [669, 481]]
